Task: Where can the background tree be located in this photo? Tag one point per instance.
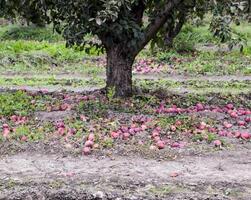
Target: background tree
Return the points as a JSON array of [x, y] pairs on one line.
[[25, 9], [124, 27]]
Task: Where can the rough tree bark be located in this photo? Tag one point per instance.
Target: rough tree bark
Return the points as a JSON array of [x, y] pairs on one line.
[[119, 71]]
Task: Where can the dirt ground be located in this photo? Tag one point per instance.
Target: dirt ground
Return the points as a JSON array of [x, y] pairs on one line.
[[217, 175]]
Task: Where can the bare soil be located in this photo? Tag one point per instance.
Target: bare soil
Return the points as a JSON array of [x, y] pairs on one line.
[[217, 175], [150, 76]]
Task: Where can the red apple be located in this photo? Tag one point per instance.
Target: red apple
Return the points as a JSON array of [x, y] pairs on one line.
[[143, 127], [86, 150], [233, 115], [202, 125], [217, 143], [248, 119], [173, 128], [91, 137], [175, 145], [245, 136], [156, 139], [89, 143], [114, 135], [178, 123], [5, 126], [14, 118], [155, 133], [126, 136], [199, 107], [230, 106], [24, 138], [241, 123], [227, 125], [237, 134], [61, 131], [222, 133], [160, 144], [6, 132]]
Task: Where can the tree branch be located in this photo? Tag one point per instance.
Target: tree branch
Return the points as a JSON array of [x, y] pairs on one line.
[[152, 29], [138, 11], [174, 28]]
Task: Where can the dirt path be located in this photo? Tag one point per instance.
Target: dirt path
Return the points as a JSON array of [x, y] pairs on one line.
[[179, 78], [89, 88], [50, 88], [220, 175]]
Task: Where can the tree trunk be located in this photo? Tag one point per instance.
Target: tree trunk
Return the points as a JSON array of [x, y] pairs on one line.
[[119, 71]]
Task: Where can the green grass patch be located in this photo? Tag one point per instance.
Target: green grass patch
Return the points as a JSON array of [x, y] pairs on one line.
[[197, 85], [19, 81], [18, 103], [207, 63], [54, 50], [15, 32]]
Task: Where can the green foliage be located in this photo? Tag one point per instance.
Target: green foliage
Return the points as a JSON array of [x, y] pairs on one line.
[[121, 21], [18, 103]]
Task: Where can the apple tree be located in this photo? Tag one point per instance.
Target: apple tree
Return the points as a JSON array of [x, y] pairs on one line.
[[124, 27]]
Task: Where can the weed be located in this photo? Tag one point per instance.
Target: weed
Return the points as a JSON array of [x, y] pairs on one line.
[[110, 93], [107, 143]]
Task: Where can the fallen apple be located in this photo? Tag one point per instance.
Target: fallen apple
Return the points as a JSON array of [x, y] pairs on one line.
[[217, 143], [245, 136], [86, 150], [160, 144], [89, 143]]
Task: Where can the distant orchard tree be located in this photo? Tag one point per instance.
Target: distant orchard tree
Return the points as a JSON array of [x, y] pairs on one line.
[[124, 27]]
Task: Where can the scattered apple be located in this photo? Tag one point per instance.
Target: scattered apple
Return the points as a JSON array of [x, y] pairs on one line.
[[245, 136], [86, 150], [114, 135], [89, 143], [160, 144], [126, 136], [217, 143], [91, 137], [241, 123]]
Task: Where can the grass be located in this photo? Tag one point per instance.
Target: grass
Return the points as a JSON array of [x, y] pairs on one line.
[[195, 86], [28, 49], [207, 63], [15, 103], [56, 51], [20, 81], [37, 50], [15, 32], [190, 36]]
